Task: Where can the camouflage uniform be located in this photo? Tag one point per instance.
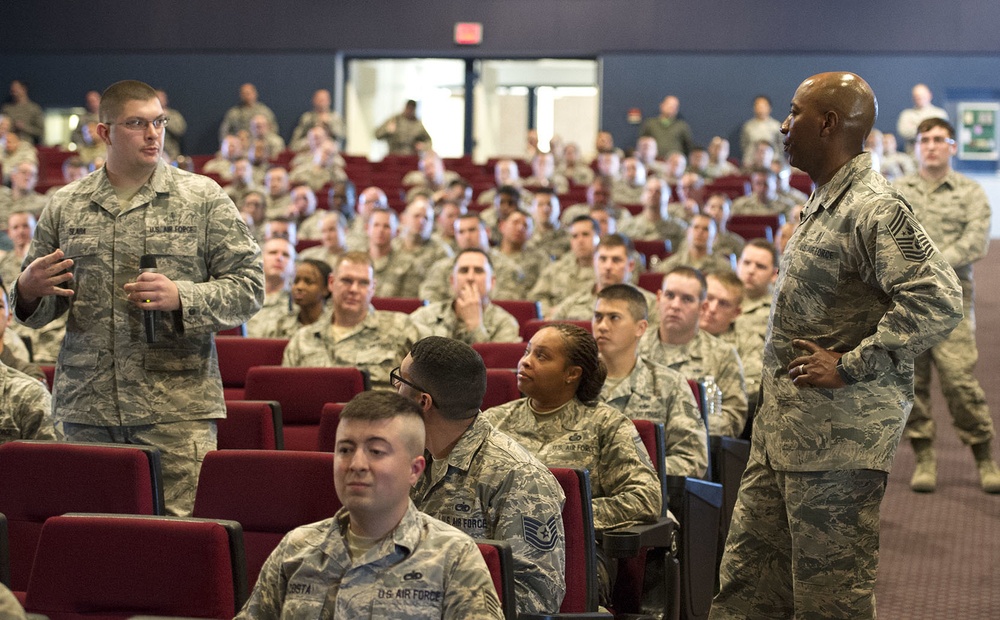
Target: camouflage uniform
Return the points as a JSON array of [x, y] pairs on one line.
[[10, 608], [316, 177], [320, 253], [956, 215], [46, 341], [287, 324], [754, 314], [728, 243], [860, 277], [439, 319], [107, 375], [25, 407], [710, 262], [703, 356], [642, 228], [493, 488], [580, 306], [660, 394], [750, 347], [437, 281], [516, 274], [10, 267], [752, 205], [417, 262], [623, 193], [599, 438], [12, 357], [407, 132], [422, 569], [552, 241], [390, 271], [559, 280], [356, 235], [309, 228], [276, 305], [378, 344], [238, 117]]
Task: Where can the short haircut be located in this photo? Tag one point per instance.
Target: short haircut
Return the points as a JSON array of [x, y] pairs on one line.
[[614, 240], [587, 218], [636, 301], [376, 406], [510, 191], [506, 216], [689, 272], [357, 257], [115, 97], [764, 244], [393, 218], [764, 97], [472, 251], [452, 372], [728, 279], [930, 123]]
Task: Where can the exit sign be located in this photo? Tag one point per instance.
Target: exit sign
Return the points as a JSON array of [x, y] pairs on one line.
[[468, 33]]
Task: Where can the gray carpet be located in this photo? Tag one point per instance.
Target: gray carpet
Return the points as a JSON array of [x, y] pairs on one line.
[[941, 551]]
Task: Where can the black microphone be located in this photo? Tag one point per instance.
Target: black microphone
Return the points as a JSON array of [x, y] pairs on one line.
[[147, 264]]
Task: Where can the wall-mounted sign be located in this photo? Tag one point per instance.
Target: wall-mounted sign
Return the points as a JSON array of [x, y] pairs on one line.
[[977, 130]]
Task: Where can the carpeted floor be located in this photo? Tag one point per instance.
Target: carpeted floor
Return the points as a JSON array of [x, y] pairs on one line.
[[940, 555]]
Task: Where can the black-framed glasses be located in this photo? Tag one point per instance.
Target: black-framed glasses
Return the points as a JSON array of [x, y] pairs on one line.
[[140, 124], [395, 378]]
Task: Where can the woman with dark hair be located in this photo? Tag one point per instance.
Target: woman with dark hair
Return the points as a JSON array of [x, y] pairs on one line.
[[310, 292], [563, 425]]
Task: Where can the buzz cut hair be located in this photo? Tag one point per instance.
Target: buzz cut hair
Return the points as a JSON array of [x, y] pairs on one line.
[[636, 301], [115, 97], [375, 406], [686, 271], [454, 374]]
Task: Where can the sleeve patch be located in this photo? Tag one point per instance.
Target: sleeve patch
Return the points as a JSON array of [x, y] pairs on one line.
[[912, 241], [540, 535]]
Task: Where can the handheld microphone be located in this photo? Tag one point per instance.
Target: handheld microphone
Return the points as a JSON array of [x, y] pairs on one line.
[[147, 264]]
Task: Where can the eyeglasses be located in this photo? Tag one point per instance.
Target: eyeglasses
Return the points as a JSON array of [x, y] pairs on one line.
[[935, 140], [140, 124], [395, 379]]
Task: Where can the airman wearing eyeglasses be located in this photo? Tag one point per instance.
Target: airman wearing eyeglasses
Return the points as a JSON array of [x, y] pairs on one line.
[[955, 212], [113, 382]]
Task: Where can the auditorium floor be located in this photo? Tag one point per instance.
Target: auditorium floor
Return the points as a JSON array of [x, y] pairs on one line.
[[940, 554]]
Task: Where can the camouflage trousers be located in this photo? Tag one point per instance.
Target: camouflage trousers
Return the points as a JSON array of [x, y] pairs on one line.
[[182, 447], [955, 360], [802, 545]]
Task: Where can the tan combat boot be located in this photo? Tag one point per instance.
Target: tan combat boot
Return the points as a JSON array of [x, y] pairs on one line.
[[924, 478], [989, 473]]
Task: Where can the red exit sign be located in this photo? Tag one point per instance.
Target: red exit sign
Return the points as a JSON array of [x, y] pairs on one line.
[[468, 33]]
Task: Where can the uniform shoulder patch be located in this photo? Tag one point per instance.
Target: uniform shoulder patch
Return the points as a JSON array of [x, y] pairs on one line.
[[541, 535], [911, 240]]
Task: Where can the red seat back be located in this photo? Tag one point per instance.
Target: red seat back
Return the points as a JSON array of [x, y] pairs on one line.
[[251, 425], [501, 387], [328, 421], [269, 493], [500, 354], [530, 328], [110, 567], [581, 550], [302, 392], [500, 560], [43, 479], [522, 310], [238, 355], [406, 305]]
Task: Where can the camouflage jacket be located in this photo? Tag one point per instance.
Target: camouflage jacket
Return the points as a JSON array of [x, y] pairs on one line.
[[423, 569], [25, 407], [378, 344], [439, 319], [705, 356], [599, 438], [107, 374], [860, 277], [561, 279], [493, 488], [955, 212], [660, 394]]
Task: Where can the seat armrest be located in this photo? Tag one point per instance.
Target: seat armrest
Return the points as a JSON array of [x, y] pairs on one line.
[[626, 542]]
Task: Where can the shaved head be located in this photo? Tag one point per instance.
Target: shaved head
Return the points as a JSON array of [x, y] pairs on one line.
[[850, 97]]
